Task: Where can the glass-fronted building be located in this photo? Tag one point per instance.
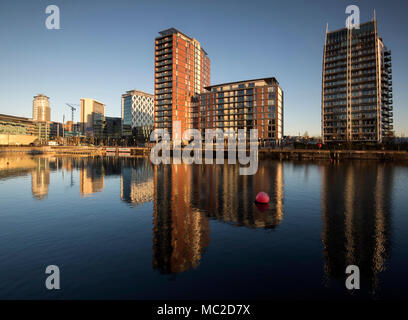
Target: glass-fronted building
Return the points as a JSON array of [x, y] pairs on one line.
[[92, 112], [137, 114], [356, 86]]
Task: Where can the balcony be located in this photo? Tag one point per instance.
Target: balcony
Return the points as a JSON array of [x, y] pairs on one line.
[[164, 85], [164, 91], [162, 80], [165, 45], [164, 96], [167, 68], [164, 40], [161, 52], [164, 57], [163, 63], [164, 74], [163, 102], [163, 108]]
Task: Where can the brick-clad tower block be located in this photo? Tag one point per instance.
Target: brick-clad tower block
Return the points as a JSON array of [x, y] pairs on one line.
[[182, 69]]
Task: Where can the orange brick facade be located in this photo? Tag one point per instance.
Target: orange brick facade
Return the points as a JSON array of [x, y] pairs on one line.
[[182, 70]]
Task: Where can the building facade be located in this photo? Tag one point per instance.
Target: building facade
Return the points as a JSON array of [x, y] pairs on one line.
[[16, 130], [356, 86], [23, 131], [182, 70], [137, 114], [48, 130], [92, 112], [249, 104], [108, 127], [41, 108]]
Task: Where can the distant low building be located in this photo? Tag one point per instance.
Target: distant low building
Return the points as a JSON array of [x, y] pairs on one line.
[[108, 127], [48, 130], [72, 129], [16, 130], [92, 111], [68, 126]]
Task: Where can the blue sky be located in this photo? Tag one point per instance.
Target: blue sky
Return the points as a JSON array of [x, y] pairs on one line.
[[107, 47]]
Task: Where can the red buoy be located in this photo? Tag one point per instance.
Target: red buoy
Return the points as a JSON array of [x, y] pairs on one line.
[[262, 197]]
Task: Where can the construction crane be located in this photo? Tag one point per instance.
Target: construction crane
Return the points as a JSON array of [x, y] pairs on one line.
[[71, 105], [73, 109]]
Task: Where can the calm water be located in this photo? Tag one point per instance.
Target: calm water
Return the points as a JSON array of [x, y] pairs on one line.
[[123, 228]]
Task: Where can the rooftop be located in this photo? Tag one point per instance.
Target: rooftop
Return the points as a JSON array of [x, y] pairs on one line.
[[174, 30], [137, 92], [15, 118], [365, 24], [271, 80]]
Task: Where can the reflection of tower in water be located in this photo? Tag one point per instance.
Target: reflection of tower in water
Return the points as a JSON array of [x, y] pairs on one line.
[[356, 220], [136, 185], [180, 232], [228, 196], [186, 196], [91, 177], [40, 178]]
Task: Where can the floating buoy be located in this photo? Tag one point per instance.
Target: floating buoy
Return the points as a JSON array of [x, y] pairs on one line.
[[262, 197]]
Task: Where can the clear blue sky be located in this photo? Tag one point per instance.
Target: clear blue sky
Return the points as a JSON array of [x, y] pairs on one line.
[[107, 47]]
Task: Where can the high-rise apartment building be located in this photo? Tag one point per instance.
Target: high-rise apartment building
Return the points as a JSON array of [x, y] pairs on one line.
[[41, 108], [92, 113], [356, 86], [137, 113], [249, 104], [182, 70]]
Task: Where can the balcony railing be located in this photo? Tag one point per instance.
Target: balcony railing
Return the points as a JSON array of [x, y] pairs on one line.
[[164, 57], [167, 68]]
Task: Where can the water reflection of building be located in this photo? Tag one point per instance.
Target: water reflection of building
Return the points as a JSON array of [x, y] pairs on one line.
[[186, 196], [137, 184], [40, 178], [356, 215], [180, 232], [12, 166], [91, 178], [227, 196]]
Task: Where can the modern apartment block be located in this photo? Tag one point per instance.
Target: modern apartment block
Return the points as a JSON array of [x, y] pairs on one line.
[[41, 108], [356, 86], [137, 114], [92, 113], [249, 104], [182, 70]]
